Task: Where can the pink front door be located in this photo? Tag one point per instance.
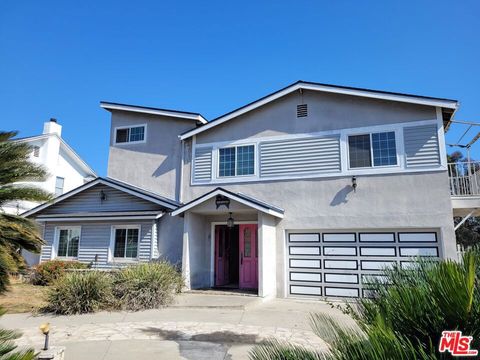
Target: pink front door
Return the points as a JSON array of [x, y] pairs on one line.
[[248, 256], [221, 257]]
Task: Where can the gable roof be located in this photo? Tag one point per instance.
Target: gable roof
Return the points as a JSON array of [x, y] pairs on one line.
[[116, 184], [154, 111], [63, 144], [305, 85], [239, 197]]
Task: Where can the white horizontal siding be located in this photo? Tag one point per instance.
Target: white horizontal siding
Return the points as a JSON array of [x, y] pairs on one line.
[[421, 146], [300, 156], [202, 166], [95, 242]]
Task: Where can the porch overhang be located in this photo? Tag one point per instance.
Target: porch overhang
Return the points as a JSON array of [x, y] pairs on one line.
[[238, 197]]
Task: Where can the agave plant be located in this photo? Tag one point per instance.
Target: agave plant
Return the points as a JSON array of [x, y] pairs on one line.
[[403, 320]]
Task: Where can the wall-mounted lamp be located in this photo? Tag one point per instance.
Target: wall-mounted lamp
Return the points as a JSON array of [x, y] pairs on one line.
[[230, 222], [103, 196], [354, 183], [222, 200]]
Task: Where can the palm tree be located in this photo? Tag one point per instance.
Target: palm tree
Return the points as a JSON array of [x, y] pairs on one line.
[[16, 232]]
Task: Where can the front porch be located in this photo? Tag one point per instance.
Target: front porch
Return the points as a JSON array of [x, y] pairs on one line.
[[229, 241]]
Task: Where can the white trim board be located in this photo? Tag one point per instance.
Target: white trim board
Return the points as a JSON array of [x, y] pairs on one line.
[[153, 111], [206, 197], [451, 104]]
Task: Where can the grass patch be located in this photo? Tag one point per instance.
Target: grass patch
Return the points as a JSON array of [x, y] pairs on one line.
[[23, 297]]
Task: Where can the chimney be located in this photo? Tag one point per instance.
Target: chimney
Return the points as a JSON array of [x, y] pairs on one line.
[[52, 127]]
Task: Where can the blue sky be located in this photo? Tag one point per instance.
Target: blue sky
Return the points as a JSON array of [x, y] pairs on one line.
[[61, 58]]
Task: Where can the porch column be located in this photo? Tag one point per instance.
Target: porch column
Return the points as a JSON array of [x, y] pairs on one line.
[[186, 252], [266, 255]]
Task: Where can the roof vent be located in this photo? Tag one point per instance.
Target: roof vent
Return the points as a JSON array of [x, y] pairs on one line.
[[302, 110]]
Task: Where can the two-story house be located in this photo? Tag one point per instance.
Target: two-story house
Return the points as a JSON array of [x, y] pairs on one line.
[[66, 169], [309, 191]]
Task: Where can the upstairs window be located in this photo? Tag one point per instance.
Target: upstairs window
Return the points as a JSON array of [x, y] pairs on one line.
[[236, 161], [376, 149], [59, 182], [68, 239], [36, 151], [134, 134]]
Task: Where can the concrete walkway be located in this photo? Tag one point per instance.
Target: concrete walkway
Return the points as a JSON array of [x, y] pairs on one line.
[[198, 326]]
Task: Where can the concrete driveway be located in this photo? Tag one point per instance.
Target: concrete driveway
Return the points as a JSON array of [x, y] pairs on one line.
[[199, 326]]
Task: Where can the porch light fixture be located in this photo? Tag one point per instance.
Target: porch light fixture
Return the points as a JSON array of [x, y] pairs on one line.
[[230, 222], [354, 183], [222, 200]]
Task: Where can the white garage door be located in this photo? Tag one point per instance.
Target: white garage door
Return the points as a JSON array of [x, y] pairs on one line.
[[341, 264]]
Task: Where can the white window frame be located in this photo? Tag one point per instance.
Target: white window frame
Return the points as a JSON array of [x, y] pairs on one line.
[[63, 185], [111, 247], [130, 127], [56, 241], [343, 134], [397, 150], [255, 159]]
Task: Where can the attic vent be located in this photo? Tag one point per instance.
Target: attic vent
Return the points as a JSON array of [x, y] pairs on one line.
[[302, 110]]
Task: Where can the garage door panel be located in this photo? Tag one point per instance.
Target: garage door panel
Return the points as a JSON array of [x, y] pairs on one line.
[[341, 292], [418, 251], [376, 264], [305, 263], [341, 264], [377, 237], [304, 237], [304, 250], [341, 278], [305, 290], [339, 251], [341, 237], [346, 263], [378, 251], [305, 276]]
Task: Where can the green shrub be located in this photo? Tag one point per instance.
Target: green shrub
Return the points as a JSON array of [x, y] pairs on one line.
[[147, 286], [405, 318], [80, 292], [49, 271]]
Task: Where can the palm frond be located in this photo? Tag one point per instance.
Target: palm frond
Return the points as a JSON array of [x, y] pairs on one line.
[[20, 232], [277, 350]]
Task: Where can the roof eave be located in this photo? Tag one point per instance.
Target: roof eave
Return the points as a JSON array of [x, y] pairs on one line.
[[153, 111], [413, 99]]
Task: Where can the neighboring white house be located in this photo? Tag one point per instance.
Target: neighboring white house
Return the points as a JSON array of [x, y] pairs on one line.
[[65, 167]]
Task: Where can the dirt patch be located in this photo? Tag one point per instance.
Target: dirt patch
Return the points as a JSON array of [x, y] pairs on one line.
[[22, 297]]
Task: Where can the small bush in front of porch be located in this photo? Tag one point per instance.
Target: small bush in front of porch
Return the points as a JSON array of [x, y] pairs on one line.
[[47, 272], [79, 293], [147, 286]]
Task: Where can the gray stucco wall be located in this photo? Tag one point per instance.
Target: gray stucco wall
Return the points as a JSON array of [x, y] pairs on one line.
[[153, 165], [406, 201], [325, 112]]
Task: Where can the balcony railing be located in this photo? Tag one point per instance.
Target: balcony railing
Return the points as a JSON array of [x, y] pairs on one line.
[[464, 178]]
